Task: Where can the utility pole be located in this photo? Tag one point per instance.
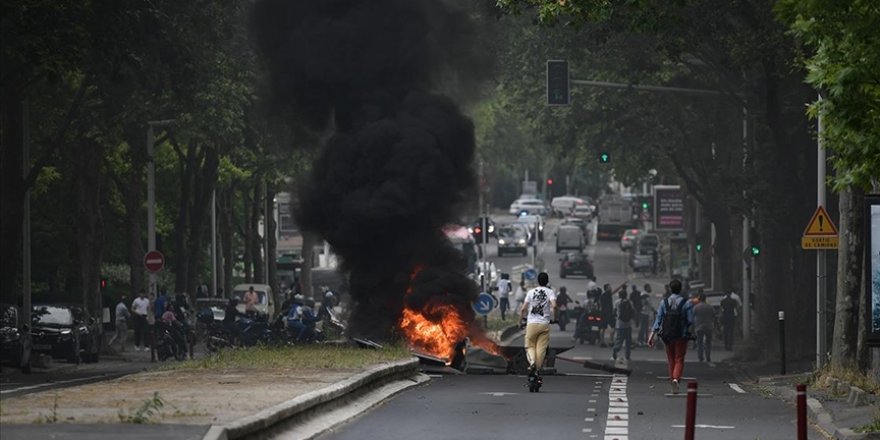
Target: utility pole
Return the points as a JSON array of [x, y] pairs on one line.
[[483, 243], [821, 329], [214, 243], [26, 222], [748, 260]]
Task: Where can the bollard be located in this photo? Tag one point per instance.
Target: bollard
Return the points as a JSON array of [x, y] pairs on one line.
[[690, 417], [801, 412], [782, 342]]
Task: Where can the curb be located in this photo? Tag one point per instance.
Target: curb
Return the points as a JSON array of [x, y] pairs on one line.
[[299, 408], [817, 413]]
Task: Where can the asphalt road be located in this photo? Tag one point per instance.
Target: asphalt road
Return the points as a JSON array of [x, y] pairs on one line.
[[582, 404]]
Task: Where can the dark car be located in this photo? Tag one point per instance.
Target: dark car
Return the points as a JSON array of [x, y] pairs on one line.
[[15, 339], [512, 239], [476, 229], [575, 263], [66, 332]]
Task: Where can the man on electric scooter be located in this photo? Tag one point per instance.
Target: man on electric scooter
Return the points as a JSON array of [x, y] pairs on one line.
[[536, 315]]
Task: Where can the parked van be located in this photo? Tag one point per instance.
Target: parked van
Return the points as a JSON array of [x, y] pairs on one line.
[[265, 303], [569, 237]]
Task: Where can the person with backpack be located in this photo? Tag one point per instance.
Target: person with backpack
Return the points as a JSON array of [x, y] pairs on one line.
[[624, 313], [674, 316]]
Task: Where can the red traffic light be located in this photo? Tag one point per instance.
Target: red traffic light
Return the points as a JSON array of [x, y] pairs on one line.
[[549, 181], [103, 283]]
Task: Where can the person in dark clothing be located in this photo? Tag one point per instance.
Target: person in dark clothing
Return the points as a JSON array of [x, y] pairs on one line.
[[728, 319], [231, 313], [606, 305], [635, 299]]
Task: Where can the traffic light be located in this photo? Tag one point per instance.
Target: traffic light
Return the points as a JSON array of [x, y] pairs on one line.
[[755, 249], [699, 247], [103, 283], [558, 86], [604, 157], [645, 205], [549, 181]]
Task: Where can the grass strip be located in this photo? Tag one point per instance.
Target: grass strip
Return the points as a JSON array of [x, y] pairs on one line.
[[296, 357]]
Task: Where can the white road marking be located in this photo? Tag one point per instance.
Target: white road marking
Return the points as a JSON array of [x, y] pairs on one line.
[[49, 384], [617, 423], [737, 388], [588, 419], [707, 426], [499, 393]]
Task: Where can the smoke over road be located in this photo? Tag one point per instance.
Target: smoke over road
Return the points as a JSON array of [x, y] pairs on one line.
[[399, 165]]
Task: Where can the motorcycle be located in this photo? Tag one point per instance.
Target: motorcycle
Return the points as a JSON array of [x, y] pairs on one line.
[[253, 331], [170, 341], [588, 323], [562, 318]]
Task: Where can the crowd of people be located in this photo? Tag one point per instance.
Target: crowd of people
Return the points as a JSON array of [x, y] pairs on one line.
[[678, 318]]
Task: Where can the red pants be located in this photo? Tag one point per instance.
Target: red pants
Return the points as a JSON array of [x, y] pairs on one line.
[[675, 351]]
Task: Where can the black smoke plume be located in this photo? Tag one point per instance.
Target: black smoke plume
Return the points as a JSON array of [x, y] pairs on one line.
[[399, 165]]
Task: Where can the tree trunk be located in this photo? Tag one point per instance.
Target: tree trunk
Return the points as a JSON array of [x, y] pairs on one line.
[[12, 193], [844, 346], [227, 238], [199, 218], [256, 242], [89, 223], [271, 252], [308, 255], [181, 226]]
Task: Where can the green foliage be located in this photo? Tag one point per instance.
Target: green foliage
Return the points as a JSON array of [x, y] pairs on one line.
[[144, 414], [844, 64]]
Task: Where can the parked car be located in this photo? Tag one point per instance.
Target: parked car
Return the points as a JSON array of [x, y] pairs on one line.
[[641, 259], [575, 263], [66, 332], [15, 339], [628, 239], [647, 241], [476, 228], [535, 223], [512, 239], [528, 206], [570, 237]]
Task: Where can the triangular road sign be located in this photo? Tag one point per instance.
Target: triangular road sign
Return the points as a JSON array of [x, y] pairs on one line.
[[820, 224]]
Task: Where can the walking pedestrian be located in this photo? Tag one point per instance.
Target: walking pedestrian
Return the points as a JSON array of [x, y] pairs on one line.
[[504, 286], [606, 306], [645, 313], [704, 323], [141, 308], [122, 316], [674, 317], [728, 319], [624, 313], [538, 311]]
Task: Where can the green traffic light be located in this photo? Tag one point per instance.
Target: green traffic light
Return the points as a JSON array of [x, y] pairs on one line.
[[604, 158], [644, 205], [756, 251], [699, 247]]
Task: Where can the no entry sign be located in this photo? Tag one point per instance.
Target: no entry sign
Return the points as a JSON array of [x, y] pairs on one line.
[[154, 261]]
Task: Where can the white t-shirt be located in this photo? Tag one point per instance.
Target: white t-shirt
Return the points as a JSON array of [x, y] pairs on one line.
[[503, 288], [140, 306], [539, 307]]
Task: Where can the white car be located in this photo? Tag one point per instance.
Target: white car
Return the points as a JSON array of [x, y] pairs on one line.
[[528, 206]]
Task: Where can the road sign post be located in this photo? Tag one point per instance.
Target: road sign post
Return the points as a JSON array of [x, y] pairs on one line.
[[154, 261], [820, 232]]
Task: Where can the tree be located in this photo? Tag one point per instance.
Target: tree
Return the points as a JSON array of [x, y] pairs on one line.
[[844, 65]]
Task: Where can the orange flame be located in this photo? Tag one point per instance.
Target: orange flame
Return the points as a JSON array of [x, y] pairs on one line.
[[438, 328]]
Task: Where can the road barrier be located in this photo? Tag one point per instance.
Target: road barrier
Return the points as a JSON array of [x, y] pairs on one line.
[[690, 417], [801, 412]]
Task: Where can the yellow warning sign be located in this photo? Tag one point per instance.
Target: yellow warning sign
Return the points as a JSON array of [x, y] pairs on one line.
[[820, 224], [821, 232]]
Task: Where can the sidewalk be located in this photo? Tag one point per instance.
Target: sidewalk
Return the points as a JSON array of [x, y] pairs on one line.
[[204, 404], [835, 414]]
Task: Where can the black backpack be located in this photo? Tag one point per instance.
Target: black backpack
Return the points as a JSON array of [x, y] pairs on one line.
[[673, 324], [625, 311]]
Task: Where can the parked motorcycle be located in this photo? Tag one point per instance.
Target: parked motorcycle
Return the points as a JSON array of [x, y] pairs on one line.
[[170, 341]]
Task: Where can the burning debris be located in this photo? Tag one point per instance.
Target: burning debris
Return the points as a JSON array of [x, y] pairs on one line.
[[399, 164]]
